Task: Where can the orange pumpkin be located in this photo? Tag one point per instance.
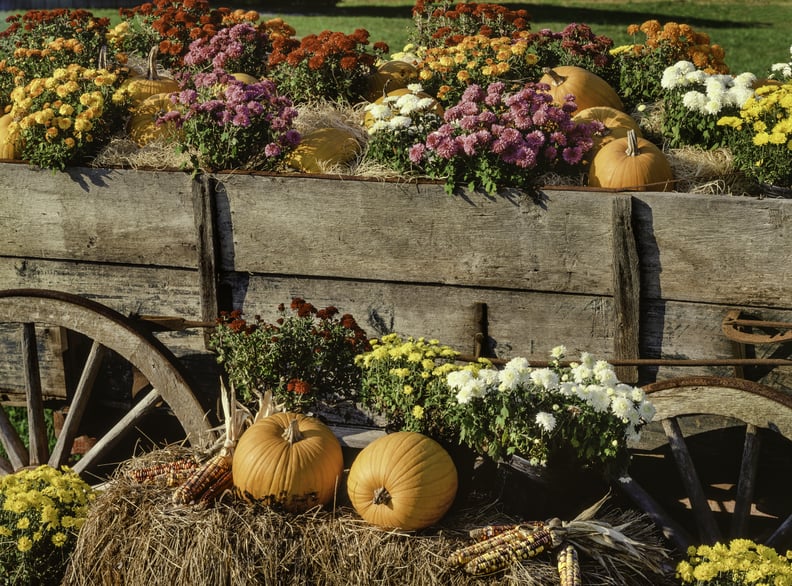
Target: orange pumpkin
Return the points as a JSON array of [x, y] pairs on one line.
[[323, 148], [402, 480], [588, 88], [390, 76], [9, 147], [140, 88], [142, 126], [631, 163], [616, 122], [290, 459]]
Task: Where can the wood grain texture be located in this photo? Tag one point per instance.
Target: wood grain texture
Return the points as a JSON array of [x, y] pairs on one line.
[[97, 215]]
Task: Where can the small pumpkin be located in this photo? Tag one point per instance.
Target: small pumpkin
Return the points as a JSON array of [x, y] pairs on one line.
[[140, 88], [391, 75], [323, 148], [403, 480], [616, 122], [288, 458], [142, 126], [588, 88], [631, 163], [9, 146], [245, 78]]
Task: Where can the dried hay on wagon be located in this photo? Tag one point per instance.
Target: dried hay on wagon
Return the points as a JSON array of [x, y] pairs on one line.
[[135, 535]]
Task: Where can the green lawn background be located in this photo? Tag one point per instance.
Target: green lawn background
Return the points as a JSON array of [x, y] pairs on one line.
[[754, 33]]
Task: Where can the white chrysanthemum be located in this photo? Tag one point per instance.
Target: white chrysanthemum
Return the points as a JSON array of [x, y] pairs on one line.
[[465, 395], [567, 388], [647, 411], [457, 379], [676, 75], [546, 421], [378, 126], [744, 80], [781, 70], [518, 363], [740, 94], [489, 377], [623, 408], [712, 107], [694, 101], [636, 394], [558, 352], [545, 377], [407, 104], [604, 374], [426, 104], [598, 398], [415, 88], [582, 372], [587, 360], [399, 122], [508, 380], [379, 111]]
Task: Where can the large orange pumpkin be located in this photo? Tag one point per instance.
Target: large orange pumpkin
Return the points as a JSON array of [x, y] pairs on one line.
[[402, 480], [322, 149], [152, 83], [390, 76], [290, 459], [588, 88], [631, 163]]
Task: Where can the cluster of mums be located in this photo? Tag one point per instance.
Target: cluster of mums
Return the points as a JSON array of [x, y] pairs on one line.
[[476, 99]]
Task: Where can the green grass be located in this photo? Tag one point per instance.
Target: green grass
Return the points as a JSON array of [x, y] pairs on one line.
[[755, 33]]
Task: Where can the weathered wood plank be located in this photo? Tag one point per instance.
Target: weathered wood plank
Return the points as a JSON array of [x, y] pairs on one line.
[[415, 233], [626, 289], [715, 249], [97, 215]]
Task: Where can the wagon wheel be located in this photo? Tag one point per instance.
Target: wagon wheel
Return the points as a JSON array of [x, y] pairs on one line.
[[756, 416], [106, 330]]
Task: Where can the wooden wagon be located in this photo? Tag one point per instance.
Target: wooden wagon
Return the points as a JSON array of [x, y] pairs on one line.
[[688, 295]]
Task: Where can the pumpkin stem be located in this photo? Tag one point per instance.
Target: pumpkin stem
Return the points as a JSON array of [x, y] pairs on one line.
[[151, 69], [292, 433], [557, 78], [381, 496], [101, 61], [632, 144]]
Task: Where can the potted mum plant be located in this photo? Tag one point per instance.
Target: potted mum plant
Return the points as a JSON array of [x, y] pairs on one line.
[[563, 427], [760, 138], [495, 138], [41, 512], [305, 357], [404, 379]]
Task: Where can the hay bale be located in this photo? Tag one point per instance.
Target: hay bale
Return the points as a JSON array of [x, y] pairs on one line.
[[134, 534]]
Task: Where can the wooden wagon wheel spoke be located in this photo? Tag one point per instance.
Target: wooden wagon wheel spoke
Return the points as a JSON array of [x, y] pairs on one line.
[[35, 402], [115, 433], [12, 444], [707, 527], [108, 332], [63, 445], [756, 408]]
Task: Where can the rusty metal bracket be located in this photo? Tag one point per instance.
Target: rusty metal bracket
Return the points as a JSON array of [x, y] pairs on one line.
[[740, 329]]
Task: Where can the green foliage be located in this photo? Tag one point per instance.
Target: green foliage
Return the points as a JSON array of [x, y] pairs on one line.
[[404, 379], [41, 512], [306, 356]]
